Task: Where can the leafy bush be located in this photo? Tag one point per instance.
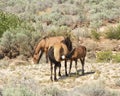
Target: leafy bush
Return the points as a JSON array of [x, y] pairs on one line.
[[59, 31], [116, 57], [67, 9], [101, 10], [8, 21], [95, 35], [21, 40], [113, 32], [81, 32], [104, 56]]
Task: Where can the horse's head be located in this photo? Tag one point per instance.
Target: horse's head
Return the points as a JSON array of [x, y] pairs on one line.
[[35, 59], [37, 50], [68, 43]]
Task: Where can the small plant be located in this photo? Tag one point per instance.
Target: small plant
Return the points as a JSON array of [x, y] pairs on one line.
[[116, 57], [50, 91], [113, 32], [117, 83], [95, 35], [18, 91], [91, 89], [8, 21], [104, 56]]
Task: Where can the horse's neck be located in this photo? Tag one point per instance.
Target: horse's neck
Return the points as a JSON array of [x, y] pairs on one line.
[[40, 45]]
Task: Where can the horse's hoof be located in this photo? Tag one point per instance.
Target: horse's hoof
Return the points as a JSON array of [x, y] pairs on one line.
[[51, 79], [83, 73], [60, 75], [69, 75], [66, 74], [55, 80]]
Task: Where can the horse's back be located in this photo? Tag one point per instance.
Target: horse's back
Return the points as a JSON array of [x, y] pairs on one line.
[[81, 50], [53, 40]]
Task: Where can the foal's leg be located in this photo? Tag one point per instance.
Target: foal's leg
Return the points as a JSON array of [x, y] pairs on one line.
[[46, 54], [82, 61], [76, 66], [70, 67], [66, 68]]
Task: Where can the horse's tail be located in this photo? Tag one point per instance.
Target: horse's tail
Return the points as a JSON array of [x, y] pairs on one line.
[[52, 57]]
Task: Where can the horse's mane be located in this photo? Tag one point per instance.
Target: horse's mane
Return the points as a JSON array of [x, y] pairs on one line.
[[68, 43]]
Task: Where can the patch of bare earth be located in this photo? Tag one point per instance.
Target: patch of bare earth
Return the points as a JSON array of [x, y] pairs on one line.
[[19, 72]]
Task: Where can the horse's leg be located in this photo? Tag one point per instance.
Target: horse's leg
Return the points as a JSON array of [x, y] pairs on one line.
[[51, 65], [55, 68], [66, 68], [76, 66], [70, 67], [40, 55], [82, 61], [59, 70], [46, 53]]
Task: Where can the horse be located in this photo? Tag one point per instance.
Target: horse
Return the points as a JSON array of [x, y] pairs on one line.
[[57, 53], [43, 46], [77, 53]]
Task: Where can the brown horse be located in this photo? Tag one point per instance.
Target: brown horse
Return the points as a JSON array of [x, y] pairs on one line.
[[43, 46], [57, 53], [77, 53]]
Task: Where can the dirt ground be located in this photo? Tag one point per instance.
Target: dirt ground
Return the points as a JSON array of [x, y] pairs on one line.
[[18, 72]]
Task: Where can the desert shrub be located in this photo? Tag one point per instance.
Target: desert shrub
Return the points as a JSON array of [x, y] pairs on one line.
[[104, 56], [101, 10], [17, 91], [51, 17], [95, 35], [117, 83], [8, 21], [91, 89], [66, 9], [96, 88], [21, 40], [116, 57], [113, 32], [57, 31], [51, 91], [81, 32]]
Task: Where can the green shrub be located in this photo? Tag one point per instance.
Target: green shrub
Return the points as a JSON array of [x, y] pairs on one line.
[[116, 57], [8, 21], [95, 35], [113, 32], [21, 39], [104, 56]]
